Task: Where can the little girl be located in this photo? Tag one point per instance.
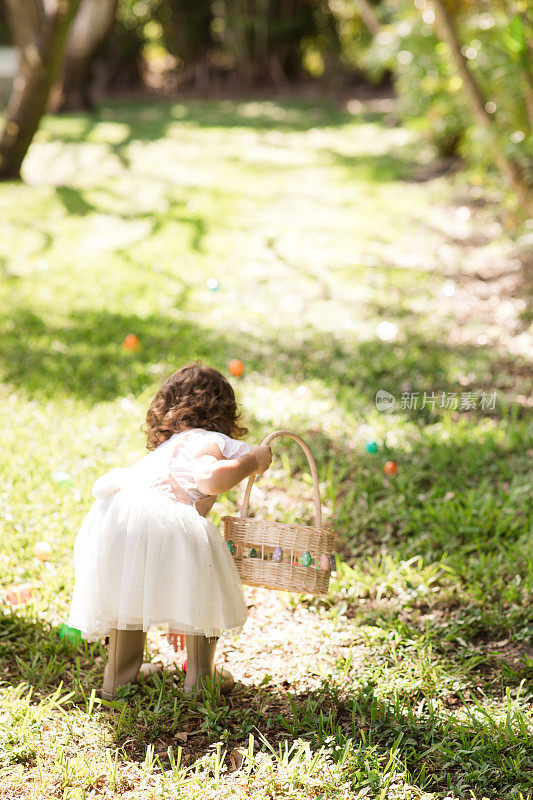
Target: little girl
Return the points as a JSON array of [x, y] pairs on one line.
[[145, 554]]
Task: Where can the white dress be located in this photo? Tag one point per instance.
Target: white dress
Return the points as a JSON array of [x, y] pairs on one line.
[[144, 558]]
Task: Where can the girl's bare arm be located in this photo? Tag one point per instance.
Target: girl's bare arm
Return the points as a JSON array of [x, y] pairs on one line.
[[214, 474]]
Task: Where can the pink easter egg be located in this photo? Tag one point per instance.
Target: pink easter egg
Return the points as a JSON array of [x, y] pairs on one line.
[[302, 392], [324, 562]]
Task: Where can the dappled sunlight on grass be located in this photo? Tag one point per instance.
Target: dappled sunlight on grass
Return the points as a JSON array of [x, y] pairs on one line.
[[311, 222]]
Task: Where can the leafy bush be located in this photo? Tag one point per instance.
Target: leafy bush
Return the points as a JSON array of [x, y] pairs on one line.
[[432, 94]]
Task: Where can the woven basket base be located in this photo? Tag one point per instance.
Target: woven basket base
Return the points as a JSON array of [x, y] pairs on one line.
[[264, 536], [283, 577]]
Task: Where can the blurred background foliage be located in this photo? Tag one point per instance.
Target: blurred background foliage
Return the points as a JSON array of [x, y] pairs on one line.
[[242, 45], [494, 38]]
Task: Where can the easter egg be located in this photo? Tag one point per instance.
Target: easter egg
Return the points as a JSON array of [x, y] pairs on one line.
[[231, 547], [449, 289], [63, 478], [185, 665], [301, 392], [236, 367], [19, 594], [324, 562], [387, 331], [277, 555], [332, 563], [253, 552], [131, 343], [306, 558], [390, 468], [371, 447], [42, 551], [69, 634], [212, 284]]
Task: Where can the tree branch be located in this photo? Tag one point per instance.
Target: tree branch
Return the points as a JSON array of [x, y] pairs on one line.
[[23, 19], [369, 16], [508, 167], [41, 41]]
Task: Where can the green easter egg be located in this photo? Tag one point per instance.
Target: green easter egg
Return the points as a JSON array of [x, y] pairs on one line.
[[306, 559], [231, 547], [69, 634], [253, 553], [63, 479]]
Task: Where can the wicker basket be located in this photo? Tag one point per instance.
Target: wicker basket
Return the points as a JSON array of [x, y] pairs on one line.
[[255, 544]]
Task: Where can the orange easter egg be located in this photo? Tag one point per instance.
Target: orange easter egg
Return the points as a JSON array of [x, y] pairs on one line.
[[236, 367], [42, 551], [19, 594], [390, 468], [131, 343]]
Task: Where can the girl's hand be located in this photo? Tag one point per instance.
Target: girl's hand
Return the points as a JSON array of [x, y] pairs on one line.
[[177, 640], [263, 456]]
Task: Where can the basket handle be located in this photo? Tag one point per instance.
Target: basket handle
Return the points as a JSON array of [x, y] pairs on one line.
[[312, 466]]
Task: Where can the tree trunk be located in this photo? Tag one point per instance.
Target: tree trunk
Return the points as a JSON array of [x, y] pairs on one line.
[[89, 28], [528, 68], [39, 29], [507, 166]]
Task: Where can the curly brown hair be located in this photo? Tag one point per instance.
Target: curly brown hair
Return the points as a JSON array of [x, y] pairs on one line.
[[195, 396]]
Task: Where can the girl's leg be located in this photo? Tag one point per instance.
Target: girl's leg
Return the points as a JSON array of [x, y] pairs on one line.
[[201, 664], [124, 662]]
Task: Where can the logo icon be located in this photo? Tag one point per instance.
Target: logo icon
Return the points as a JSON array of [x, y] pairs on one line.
[[384, 400]]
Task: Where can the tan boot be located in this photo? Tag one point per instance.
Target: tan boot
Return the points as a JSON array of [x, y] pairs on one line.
[[201, 665], [124, 662]]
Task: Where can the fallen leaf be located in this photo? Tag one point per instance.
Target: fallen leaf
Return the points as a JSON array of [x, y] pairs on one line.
[[181, 736], [236, 758]]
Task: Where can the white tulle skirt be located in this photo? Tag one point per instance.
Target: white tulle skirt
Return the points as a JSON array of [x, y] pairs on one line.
[[142, 558]]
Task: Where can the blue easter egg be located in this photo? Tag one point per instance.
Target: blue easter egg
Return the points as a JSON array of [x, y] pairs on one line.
[[306, 558], [231, 547], [371, 447], [277, 555], [212, 284]]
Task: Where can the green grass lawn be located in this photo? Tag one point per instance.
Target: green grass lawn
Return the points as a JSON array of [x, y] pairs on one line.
[[412, 679]]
